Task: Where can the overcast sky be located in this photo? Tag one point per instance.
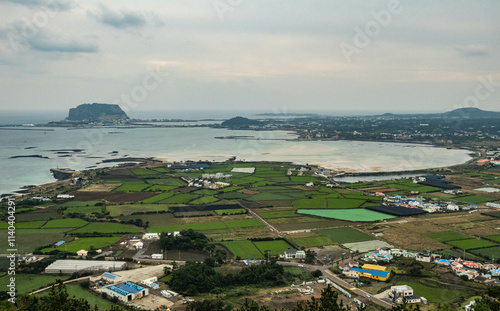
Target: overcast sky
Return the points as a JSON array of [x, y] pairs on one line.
[[250, 54]]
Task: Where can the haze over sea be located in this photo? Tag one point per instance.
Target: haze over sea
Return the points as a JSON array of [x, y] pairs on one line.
[[195, 143]]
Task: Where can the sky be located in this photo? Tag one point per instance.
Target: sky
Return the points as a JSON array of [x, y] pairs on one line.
[[271, 56]]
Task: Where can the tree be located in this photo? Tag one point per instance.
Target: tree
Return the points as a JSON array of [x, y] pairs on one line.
[[317, 273]]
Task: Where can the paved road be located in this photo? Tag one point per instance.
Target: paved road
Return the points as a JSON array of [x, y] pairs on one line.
[[339, 281]]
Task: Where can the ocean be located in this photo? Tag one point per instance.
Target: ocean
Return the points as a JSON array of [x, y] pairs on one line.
[[59, 148]]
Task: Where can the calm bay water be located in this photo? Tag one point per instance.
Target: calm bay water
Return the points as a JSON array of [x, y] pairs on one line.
[[177, 144]]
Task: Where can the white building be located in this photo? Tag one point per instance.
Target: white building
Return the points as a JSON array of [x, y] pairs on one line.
[[398, 293], [151, 236], [125, 291]]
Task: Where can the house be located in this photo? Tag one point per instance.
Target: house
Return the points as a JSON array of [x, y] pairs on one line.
[[65, 196], [125, 291], [408, 254], [353, 263], [28, 258], [424, 257], [139, 245], [400, 292], [82, 253], [351, 273], [396, 252], [157, 256], [384, 251], [344, 267], [151, 236], [292, 253]]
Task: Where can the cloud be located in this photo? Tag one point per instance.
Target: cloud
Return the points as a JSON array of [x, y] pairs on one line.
[[472, 50], [119, 19], [64, 44], [53, 5]]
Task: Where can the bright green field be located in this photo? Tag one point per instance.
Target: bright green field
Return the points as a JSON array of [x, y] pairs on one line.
[[345, 235], [206, 226], [106, 227], [132, 187], [448, 236], [313, 241], [269, 196], [79, 203], [205, 192], [166, 228], [243, 223], [26, 283], [245, 249], [470, 244], [157, 188], [347, 214], [142, 171], [234, 211], [495, 238], [276, 247], [24, 225], [474, 199], [65, 223], [159, 197], [282, 214], [230, 189], [204, 200], [85, 243], [434, 294]]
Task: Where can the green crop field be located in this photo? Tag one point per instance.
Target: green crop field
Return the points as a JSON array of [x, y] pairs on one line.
[[268, 196], [304, 179], [26, 283], [281, 214], [474, 199], [158, 198], [233, 196], [448, 236], [106, 227], [244, 249], [204, 200], [345, 235], [166, 228], [276, 247], [344, 203], [93, 299], [309, 203], [495, 238], [142, 171], [78, 203], [245, 180], [83, 210], [346, 214], [313, 241], [65, 223], [132, 187], [128, 209], [206, 226], [243, 223], [170, 181], [230, 189], [234, 211], [85, 243], [29, 239], [434, 294], [24, 225], [491, 253], [182, 198], [205, 192], [470, 244], [157, 188], [160, 170]]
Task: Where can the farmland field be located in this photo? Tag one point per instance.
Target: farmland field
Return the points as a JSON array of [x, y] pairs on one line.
[[166, 228], [448, 236], [205, 192], [313, 241], [276, 247], [474, 199], [83, 210], [182, 198], [309, 203], [29, 239], [243, 223], [470, 244], [142, 171], [158, 198], [65, 223], [24, 225], [267, 215], [434, 294], [345, 235], [344, 203], [132, 187], [171, 181], [495, 238], [26, 283], [85, 243], [230, 189], [346, 214], [128, 209], [78, 292], [204, 200], [268, 196], [244, 249], [490, 252], [206, 226], [104, 227], [156, 188], [235, 211], [78, 203]]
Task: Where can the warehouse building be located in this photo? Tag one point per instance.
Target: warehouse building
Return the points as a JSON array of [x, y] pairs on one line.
[[126, 291], [72, 266]]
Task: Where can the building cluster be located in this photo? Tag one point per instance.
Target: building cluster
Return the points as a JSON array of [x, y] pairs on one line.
[[210, 183], [114, 286], [419, 202], [404, 292]]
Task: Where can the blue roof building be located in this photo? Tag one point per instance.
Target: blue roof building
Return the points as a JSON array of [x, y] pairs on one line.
[[125, 291]]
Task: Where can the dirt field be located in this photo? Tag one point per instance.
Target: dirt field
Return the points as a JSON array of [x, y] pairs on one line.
[[99, 188]]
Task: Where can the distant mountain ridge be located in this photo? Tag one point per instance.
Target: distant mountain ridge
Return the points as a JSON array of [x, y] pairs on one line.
[[239, 122], [96, 112], [460, 113]]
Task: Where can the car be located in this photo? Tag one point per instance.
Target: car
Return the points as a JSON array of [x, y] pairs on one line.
[[368, 296]]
